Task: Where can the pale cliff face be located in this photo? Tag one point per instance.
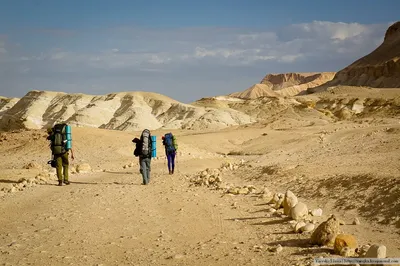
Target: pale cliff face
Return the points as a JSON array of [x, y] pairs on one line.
[[121, 111]]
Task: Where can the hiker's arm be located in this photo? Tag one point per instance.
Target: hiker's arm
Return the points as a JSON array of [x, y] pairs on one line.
[[72, 154]]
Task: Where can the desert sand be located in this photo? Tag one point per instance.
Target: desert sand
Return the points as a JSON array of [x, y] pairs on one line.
[[337, 150]]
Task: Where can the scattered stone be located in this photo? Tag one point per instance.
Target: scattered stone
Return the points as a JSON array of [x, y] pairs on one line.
[[234, 191], [132, 164], [209, 178], [326, 232], [33, 165], [307, 228], [341, 222], [243, 190], [343, 240], [279, 249], [376, 251], [72, 169], [347, 252], [83, 168], [179, 256], [289, 202], [267, 195], [125, 166], [251, 188], [299, 211], [356, 221], [316, 212], [363, 250], [298, 226]]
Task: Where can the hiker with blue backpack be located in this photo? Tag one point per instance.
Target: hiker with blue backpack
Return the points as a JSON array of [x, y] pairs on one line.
[[171, 147], [61, 145], [144, 150]]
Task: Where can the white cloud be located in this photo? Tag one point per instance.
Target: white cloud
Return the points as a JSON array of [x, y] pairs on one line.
[[127, 52]]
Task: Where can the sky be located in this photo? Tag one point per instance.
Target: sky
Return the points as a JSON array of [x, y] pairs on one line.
[[186, 50]]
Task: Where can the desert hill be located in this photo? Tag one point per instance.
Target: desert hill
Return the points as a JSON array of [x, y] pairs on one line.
[[6, 103], [256, 91], [120, 111], [288, 84], [379, 69]]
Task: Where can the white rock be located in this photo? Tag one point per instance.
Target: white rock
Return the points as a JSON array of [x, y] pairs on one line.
[[308, 228], [376, 251], [290, 200], [298, 226], [299, 211], [316, 212], [356, 221]]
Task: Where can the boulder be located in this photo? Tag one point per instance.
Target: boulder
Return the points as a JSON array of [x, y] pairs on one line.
[[289, 202], [326, 232], [299, 211], [376, 251], [342, 241]]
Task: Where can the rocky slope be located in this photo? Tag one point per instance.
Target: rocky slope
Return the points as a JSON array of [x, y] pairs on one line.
[[120, 111], [288, 84], [6, 103], [379, 69]]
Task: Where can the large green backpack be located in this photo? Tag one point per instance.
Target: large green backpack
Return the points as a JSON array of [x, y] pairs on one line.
[[59, 139]]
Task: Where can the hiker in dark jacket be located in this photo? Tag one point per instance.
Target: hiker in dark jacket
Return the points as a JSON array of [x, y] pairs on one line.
[[171, 147], [144, 153]]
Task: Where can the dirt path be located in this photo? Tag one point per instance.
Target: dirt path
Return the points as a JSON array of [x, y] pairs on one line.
[[110, 219]]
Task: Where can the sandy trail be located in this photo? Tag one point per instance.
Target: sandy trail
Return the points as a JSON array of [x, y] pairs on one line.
[[108, 218], [111, 219]]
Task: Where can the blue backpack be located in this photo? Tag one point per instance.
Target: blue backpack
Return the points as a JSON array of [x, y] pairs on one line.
[[169, 143]]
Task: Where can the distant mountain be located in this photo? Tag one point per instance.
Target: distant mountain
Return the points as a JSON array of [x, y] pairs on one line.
[[120, 111], [379, 69], [289, 84]]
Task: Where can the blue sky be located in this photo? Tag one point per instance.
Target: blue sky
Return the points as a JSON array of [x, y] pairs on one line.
[[183, 49]]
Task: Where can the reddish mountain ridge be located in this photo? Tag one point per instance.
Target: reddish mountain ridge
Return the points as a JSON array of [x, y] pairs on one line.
[[379, 69]]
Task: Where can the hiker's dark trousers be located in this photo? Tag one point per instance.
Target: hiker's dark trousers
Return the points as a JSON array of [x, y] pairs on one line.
[[171, 161], [145, 169]]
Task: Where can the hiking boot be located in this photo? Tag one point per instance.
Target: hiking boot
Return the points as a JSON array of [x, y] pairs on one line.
[[59, 183], [66, 182], [172, 172]]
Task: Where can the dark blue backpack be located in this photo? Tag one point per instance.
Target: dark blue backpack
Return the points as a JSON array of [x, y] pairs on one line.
[[169, 143]]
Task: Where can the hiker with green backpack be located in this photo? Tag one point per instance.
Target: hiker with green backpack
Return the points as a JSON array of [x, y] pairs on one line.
[[60, 144], [171, 147]]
